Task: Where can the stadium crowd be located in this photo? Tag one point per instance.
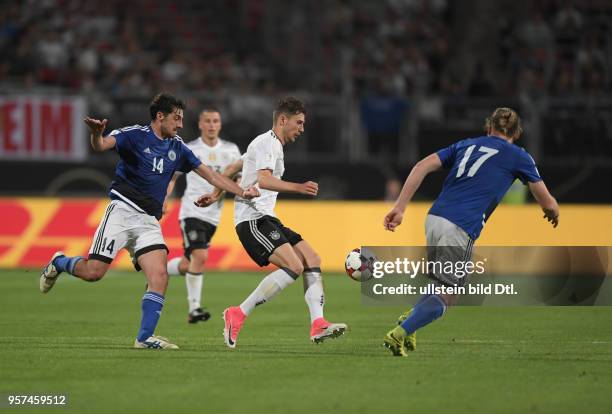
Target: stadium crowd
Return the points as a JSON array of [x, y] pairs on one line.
[[395, 48]]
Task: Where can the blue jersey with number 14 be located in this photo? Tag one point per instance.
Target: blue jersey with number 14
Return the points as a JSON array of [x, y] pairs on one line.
[[481, 171], [146, 167]]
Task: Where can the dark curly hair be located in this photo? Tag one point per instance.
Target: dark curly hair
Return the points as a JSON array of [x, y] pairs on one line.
[[165, 103]]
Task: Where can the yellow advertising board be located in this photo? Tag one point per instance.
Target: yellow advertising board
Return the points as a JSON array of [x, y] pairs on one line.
[[31, 229]]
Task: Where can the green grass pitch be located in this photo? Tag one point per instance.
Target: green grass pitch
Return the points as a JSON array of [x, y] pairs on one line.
[[77, 340]]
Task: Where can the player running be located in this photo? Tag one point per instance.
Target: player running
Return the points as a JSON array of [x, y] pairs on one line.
[[262, 234], [149, 156], [198, 225], [481, 171]]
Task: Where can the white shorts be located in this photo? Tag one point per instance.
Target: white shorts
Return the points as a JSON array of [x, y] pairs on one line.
[[123, 227]]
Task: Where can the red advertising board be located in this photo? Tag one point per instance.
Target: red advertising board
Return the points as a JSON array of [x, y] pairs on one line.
[[42, 128]]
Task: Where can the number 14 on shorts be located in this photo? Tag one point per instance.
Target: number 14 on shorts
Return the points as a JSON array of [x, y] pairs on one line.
[[108, 246]]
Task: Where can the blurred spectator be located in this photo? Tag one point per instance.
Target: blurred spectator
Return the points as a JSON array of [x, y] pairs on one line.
[[406, 47], [565, 80], [88, 59], [568, 25], [393, 187], [383, 117], [592, 63], [480, 85], [535, 32], [174, 68], [52, 50]]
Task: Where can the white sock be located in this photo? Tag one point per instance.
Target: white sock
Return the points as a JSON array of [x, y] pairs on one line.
[[173, 266], [194, 289], [269, 287], [313, 292]]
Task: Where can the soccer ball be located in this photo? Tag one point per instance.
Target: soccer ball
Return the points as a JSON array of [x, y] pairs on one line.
[[358, 265]]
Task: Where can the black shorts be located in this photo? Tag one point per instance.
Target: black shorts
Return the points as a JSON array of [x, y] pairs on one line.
[[197, 234], [262, 236]]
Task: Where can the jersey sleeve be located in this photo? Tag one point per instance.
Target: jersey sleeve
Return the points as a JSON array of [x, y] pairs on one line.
[[447, 155], [265, 159], [190, 161], [123, 139], [526, 169]]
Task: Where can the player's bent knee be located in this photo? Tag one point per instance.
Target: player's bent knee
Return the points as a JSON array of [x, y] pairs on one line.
[[96, 274], [298, 268], [308, 255]]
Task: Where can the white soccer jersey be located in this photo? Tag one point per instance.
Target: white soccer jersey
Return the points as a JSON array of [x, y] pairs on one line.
[[264, 153], [217, 157]]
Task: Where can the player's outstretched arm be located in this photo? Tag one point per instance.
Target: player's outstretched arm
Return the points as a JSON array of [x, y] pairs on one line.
[[268, 182], [225, 183], [546, 201], [413, 182], [96, 128], [231, 171]]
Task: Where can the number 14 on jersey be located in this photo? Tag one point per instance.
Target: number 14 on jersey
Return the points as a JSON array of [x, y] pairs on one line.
[[158, 165]]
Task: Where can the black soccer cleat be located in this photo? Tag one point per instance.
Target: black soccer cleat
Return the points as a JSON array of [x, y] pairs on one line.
[[198, 315]]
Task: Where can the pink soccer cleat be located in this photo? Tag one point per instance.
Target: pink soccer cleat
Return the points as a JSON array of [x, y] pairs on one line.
[[322, 330], [234, 318]]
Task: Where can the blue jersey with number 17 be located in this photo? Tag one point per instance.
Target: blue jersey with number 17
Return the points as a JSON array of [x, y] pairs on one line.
[[481, 171]]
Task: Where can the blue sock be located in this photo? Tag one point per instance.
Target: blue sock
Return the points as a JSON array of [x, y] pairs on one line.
[[428, 309], [66, 263], [152, 304]]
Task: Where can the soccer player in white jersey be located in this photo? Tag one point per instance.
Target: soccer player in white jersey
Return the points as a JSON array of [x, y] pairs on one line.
[[148, 158], [262, 234], [198, 225]]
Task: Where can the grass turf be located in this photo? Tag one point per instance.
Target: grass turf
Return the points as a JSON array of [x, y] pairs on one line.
[[77, 341]]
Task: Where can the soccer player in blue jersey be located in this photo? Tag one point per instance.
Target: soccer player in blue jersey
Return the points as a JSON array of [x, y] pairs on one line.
[[481, 171], [149, 157]]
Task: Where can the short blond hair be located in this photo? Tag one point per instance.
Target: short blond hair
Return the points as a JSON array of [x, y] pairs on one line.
[[506, 121]]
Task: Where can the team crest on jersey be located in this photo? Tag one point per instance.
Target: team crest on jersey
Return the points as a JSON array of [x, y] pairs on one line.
[[193, 235], [172, 155], [275, 235], [212, 157]]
